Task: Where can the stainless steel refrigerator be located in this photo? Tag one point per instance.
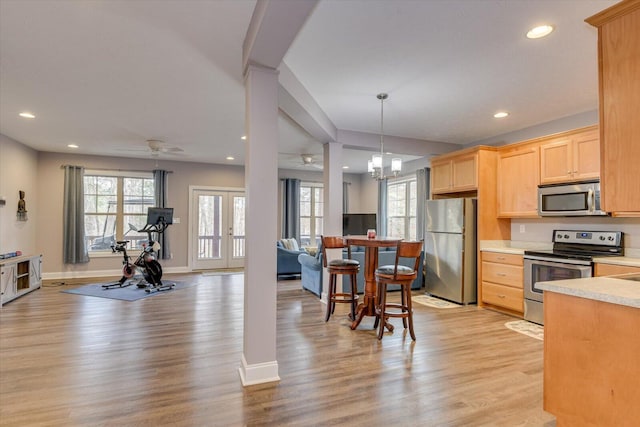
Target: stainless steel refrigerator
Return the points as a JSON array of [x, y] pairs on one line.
[[450, 249]]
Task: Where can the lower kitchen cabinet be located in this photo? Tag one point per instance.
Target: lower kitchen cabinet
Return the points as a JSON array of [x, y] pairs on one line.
[[502, 284], [18, 276]]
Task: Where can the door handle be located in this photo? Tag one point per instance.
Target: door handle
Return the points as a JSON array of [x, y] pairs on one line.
[[590, 200]]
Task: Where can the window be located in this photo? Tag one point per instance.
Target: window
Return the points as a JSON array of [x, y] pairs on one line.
[[115, 206], [401, 208], [311, 207]]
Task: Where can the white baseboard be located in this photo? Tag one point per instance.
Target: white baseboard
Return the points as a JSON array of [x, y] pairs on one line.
[[258, 373]]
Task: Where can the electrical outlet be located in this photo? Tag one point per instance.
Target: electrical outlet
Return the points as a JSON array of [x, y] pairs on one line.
[[176, 220], [522, 229]]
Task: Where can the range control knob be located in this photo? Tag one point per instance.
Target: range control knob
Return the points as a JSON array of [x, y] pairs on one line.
[[601, 237], [566, 236], [559, 236], [610, 238]]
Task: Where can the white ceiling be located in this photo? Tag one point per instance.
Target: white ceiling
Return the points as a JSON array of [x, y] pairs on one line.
[[108, 75]]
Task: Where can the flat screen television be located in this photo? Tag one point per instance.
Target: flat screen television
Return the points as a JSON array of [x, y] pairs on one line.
[[357, 224], [159, 215]]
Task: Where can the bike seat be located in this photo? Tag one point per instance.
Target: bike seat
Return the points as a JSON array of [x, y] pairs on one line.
[[122, 242]]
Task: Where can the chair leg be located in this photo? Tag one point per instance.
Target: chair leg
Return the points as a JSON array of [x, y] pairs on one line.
[[376, 306], [330, 298], [410, 314], [403, 302], [354, 292], [382, 301]]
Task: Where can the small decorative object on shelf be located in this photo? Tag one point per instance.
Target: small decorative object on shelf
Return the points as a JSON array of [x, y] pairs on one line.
[[10, 254], [22, 207], [371, 233]]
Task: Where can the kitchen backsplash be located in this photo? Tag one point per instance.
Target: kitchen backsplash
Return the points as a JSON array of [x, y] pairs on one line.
[[541, 229]]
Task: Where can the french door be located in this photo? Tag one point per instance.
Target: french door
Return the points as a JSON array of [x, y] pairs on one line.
[[217, 228]]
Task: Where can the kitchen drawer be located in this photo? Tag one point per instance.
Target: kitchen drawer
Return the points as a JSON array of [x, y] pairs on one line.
[[502, 258], [503, 296], [504, 274]]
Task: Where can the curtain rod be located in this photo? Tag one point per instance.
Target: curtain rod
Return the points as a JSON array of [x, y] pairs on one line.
[[111, 169]]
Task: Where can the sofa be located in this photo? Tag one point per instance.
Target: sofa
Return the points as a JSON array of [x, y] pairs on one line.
[[287, 257], [311, 269]]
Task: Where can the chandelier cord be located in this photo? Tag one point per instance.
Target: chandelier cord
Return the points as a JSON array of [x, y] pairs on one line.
[[382, 98]]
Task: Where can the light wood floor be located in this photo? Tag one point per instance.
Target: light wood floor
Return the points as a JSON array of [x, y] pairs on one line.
[[71, 360]]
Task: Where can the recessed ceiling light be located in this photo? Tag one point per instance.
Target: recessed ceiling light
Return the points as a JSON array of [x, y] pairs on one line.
[[72, 146], [345, 167], [500, 114], [540, 31], [230, 158], [243, 137], [27, 115]]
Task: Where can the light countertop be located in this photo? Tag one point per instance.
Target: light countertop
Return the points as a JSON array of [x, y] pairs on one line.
[[512, 247], [631, 258], [606, 289]]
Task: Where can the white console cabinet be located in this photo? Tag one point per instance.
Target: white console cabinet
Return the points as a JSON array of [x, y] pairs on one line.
[[18, 276]]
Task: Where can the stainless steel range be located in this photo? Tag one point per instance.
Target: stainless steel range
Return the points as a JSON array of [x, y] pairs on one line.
[[571, 258]]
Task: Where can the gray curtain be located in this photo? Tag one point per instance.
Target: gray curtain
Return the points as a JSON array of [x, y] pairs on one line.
[[160, 185], [291, 209], [382, 207], [345, 197], [422, 192], [74, 245]]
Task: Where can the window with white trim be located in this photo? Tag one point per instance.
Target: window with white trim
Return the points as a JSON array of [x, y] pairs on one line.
[[311, 208], [115, 207], [402, 208]]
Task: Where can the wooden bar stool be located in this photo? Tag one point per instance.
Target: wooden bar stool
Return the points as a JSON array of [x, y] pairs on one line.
[[404, 276], [334, 267]]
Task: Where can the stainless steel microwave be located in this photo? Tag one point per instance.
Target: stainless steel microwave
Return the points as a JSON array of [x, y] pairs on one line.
[[578, 199]]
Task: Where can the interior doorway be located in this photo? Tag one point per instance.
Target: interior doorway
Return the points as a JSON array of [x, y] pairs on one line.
[[216, 234]]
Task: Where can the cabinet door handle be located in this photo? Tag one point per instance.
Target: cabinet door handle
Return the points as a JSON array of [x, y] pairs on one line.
[[501, 296], [501, 258], [501, 274]]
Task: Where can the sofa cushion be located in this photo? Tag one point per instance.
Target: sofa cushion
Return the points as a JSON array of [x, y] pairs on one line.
[[291, 244]]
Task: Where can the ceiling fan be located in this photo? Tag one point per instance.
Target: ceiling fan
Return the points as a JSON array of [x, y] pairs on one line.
[[158, 147], [309, 160]]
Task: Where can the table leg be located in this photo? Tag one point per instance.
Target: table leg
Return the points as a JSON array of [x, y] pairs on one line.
[[368, 306]]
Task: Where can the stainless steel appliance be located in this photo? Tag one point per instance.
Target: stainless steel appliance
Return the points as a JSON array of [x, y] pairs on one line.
[[450, 249], [571, 258], [579, 199]]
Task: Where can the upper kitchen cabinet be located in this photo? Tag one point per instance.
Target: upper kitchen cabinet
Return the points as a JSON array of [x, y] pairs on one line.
[[453, 173], [619, 73], [571, 157], [518, 179]]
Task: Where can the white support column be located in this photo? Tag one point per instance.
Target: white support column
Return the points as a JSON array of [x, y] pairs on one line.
[[259, 364], [332, 213]]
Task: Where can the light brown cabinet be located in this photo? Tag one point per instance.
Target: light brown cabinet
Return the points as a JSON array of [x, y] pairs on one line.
[[611, 269], [618, 69], [518, 179], [502, 282], [570, 158], [455, 174]]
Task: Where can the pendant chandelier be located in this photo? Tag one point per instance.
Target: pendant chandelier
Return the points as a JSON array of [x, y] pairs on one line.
[[376, 164]]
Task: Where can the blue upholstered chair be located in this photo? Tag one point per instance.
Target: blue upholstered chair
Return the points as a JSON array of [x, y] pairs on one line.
[[311, 271], [287, 258]]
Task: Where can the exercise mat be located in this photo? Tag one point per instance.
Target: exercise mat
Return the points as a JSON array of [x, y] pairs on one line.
[[129, 293]]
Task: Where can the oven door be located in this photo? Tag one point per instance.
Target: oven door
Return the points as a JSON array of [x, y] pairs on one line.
[[539, 270]]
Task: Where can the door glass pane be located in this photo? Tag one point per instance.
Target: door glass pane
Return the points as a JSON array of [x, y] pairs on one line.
[[209, 227], [238, 226]]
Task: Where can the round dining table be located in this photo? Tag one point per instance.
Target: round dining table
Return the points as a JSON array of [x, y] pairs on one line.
[[368, 306]]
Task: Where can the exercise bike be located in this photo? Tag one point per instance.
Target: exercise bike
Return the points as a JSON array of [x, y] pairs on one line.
[[146, 261]]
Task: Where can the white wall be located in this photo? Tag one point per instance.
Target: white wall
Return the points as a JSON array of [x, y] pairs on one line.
[[541, 229], [18, 171]]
